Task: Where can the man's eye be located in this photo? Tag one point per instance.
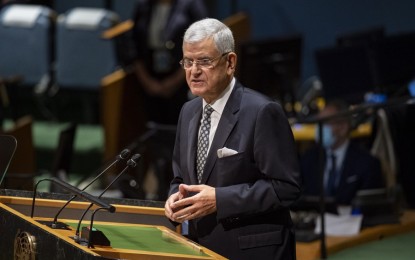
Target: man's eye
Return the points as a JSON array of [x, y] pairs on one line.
[[204, 62]]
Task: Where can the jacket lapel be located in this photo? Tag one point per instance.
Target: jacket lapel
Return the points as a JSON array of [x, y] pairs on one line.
[[191, 151], [225, 126], [346, 169]]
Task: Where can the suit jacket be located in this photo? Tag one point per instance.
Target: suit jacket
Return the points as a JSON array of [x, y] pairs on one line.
[[359, 171], [254, 187]]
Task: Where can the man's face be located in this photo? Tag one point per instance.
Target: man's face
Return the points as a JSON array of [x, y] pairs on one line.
[[208, 82], [339, 127]]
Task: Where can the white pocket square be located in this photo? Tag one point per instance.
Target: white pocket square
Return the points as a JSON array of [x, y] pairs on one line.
[[225, 152]]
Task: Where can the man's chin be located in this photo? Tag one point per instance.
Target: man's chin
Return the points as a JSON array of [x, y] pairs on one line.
[[196, 90]]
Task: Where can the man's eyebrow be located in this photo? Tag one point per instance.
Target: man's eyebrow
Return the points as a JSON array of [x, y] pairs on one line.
[[198, 58]]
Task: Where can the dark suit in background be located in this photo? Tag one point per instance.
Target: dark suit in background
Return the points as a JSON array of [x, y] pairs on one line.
[[360, 170]]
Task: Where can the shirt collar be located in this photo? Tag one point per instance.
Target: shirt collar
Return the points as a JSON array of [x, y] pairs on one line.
[[219, 104], [340, 152]]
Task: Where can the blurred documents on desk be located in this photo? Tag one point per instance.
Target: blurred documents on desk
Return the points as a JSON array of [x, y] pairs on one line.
[[340, 225]]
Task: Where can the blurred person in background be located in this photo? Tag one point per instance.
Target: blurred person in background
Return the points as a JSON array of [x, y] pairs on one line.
[[348, 167], [158, 30], [157, 34]]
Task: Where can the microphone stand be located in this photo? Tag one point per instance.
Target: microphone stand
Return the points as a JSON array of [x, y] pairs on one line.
[[130, 163], [320, 121], [76, 191], [122, 156], [322, 201], [91, 232]]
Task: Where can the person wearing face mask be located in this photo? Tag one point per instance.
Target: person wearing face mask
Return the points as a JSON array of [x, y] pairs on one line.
[[348, 166]]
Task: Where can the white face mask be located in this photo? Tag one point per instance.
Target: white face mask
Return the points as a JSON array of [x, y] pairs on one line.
[[328, 137]]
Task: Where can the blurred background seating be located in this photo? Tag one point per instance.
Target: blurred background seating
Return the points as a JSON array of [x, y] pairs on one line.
[[26, 52], [83, 58]]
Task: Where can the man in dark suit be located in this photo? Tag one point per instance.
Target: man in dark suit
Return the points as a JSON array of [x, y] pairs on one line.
[[235, 184], [348, 168]]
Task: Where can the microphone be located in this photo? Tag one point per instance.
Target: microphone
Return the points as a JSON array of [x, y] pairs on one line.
[[313, 89], [76, 191], [122, 156], [131, 163]]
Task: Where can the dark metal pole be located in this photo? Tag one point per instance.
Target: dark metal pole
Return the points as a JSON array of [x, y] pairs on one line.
[[108, 5], [321, 164], [234, 6]]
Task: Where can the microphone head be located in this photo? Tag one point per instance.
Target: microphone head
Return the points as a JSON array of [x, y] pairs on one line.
[[111, 209], [133, 160], [124, 154]]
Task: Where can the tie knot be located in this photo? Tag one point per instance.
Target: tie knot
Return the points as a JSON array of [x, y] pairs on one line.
[[208, 110]]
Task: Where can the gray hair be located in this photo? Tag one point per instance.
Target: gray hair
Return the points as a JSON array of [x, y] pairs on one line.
[[207, 28]]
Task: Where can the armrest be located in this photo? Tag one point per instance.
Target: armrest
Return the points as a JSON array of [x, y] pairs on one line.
[[118, 30]]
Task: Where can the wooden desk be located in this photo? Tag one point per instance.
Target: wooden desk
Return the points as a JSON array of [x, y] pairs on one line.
[[306, 132], [311, 251]]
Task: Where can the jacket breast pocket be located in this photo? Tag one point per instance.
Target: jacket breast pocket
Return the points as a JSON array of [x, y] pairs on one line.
[[230, 163], [234, 169]]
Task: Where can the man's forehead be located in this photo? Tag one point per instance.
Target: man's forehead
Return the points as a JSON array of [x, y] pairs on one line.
[[205, 44]]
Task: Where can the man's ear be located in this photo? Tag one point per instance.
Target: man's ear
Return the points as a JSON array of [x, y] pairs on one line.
[[232, 59]]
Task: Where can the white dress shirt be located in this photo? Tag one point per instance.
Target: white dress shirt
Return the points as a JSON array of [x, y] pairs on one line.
[[218, 106]]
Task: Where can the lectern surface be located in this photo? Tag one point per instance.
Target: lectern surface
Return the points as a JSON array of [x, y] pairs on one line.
[[128, 240], [143, 238]]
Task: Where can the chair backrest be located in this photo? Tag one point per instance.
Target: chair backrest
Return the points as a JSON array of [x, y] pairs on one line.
[[124, 8], [26, 41], [83, 57], [62, 6], [64, 151], [63, 156], [21, 171], [7, 148]]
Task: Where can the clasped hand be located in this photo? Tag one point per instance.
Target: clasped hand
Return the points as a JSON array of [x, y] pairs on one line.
[[180, 206]]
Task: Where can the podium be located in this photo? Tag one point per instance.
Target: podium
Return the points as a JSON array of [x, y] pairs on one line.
[[134, 232]]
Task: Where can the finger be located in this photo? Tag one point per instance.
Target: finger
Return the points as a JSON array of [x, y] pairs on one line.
[[193, 188], [182, 188], [182, 191], [188, 216], [185, 202], [182, 218], [169, 203], [167, 209], [183, 213]]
